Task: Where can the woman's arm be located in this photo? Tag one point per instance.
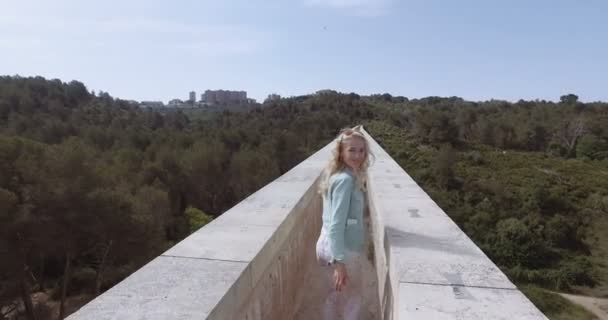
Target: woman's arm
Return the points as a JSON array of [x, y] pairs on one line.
[[340, 194]]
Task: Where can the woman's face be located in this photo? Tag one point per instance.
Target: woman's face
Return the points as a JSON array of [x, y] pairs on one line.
[[353, 152]]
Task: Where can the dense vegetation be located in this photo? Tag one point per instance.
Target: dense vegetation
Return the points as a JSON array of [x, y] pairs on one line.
[[556, 307], [92, 187], [524, 181]]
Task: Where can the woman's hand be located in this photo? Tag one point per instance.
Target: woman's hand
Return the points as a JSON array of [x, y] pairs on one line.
[[340, 276]]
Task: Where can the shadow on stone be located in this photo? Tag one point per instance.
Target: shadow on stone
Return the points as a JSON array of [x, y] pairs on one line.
[[403, 239]]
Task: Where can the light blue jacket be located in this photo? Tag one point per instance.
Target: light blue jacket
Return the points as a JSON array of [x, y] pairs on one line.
[[343, 206]]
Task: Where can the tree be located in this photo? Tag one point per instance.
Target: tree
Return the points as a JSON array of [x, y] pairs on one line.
[[250, 170], [14, 253], [487, 133], [569, 99], [22, 235], [76, 92], [287, 150], [113, 235], [537, 139], [153, 223], [443, 166], [465, 121], [5, 110], [592, 147], [197, 218], [569, 133], [435, 127], [173, 177], [65, 203], [505, 136], [515, 244], [206, 164]]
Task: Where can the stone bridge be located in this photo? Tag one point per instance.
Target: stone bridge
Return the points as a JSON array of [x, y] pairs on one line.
[[257, 260]]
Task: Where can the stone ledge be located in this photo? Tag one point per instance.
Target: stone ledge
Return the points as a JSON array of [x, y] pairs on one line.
[[427, 267], [439, 302], [165, 288]]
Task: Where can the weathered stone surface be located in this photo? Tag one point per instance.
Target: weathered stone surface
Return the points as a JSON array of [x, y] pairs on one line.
[[433, 302], [233, 242], [166, 288], [435, 250]]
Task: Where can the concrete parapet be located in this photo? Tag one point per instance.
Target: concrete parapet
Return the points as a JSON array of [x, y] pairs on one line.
[[426, 267]]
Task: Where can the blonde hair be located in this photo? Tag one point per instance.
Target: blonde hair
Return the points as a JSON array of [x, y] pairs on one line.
[[336, 163]]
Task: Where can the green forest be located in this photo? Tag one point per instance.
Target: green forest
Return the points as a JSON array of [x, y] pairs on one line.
[[92, 187]]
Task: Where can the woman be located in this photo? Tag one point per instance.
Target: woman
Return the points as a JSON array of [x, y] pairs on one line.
[[340, 245]]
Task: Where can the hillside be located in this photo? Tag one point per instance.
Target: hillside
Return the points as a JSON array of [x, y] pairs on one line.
[[91, 187]]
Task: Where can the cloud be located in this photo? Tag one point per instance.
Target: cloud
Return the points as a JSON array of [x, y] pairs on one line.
[[369, 8], [44, 33]]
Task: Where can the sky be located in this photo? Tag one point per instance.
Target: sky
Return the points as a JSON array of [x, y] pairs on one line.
[[160, 50]]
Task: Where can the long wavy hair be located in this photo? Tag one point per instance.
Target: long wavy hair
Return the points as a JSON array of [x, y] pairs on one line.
[[336, 163]]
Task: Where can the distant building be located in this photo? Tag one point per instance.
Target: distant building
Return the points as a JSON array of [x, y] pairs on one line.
[[175, 103], [212, 97], [192, 97], [152, 104]]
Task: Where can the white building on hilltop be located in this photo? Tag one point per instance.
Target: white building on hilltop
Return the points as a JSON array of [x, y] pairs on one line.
[[213, 97]]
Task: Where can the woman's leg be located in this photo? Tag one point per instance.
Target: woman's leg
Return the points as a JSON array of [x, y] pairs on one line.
[[329, 296], [352, 293], [345, 304], [332, 302]]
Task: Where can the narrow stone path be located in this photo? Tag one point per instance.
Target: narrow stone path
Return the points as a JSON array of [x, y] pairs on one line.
[[311, 305]]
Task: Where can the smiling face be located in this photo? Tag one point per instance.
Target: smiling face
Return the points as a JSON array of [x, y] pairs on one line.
[[354, 152]]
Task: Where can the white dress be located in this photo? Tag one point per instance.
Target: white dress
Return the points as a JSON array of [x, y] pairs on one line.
[[345, 304]]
